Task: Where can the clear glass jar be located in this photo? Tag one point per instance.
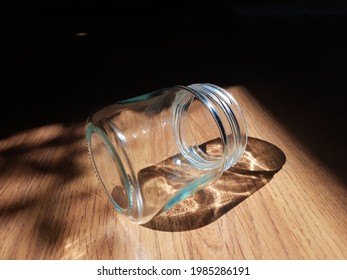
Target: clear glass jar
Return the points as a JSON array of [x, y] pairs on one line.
[[152, 151]]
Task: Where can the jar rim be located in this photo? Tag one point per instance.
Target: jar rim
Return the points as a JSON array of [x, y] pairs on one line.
[[228, 117]]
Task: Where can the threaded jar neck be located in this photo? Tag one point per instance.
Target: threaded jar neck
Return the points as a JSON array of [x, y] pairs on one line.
[[228, 117]]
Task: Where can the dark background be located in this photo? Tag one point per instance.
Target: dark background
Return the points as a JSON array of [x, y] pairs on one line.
[[292, 56]]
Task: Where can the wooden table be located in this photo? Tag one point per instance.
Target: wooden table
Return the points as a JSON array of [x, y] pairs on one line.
[[279, 202]]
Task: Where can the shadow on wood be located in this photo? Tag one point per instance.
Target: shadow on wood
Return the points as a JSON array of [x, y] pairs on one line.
[[260, 162], [36, 167]]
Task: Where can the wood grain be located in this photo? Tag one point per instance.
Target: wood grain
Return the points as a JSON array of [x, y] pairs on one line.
[[279, 202]]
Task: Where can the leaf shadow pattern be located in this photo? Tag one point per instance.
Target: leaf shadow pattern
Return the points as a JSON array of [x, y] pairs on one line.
[[260, 162], [41, 163]]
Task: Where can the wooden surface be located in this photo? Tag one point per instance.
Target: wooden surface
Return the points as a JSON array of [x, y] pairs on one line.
[[279, 202]]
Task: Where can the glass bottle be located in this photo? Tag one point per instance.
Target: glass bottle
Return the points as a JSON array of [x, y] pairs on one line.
[[152, 151]]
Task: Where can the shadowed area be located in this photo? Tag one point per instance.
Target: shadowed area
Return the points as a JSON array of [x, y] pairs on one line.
[[75, 58], [37, 167], [260, 162]]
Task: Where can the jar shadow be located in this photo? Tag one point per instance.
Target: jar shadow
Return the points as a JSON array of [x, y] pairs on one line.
[[259, 163]]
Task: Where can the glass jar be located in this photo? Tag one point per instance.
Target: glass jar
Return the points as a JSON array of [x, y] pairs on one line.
[[152, 151]]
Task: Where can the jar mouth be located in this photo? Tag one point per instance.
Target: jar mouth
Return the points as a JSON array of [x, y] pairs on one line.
[[224, 117], [109, 169]]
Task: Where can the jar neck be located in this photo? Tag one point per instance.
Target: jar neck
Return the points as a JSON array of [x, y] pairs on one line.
[[229, 118]]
